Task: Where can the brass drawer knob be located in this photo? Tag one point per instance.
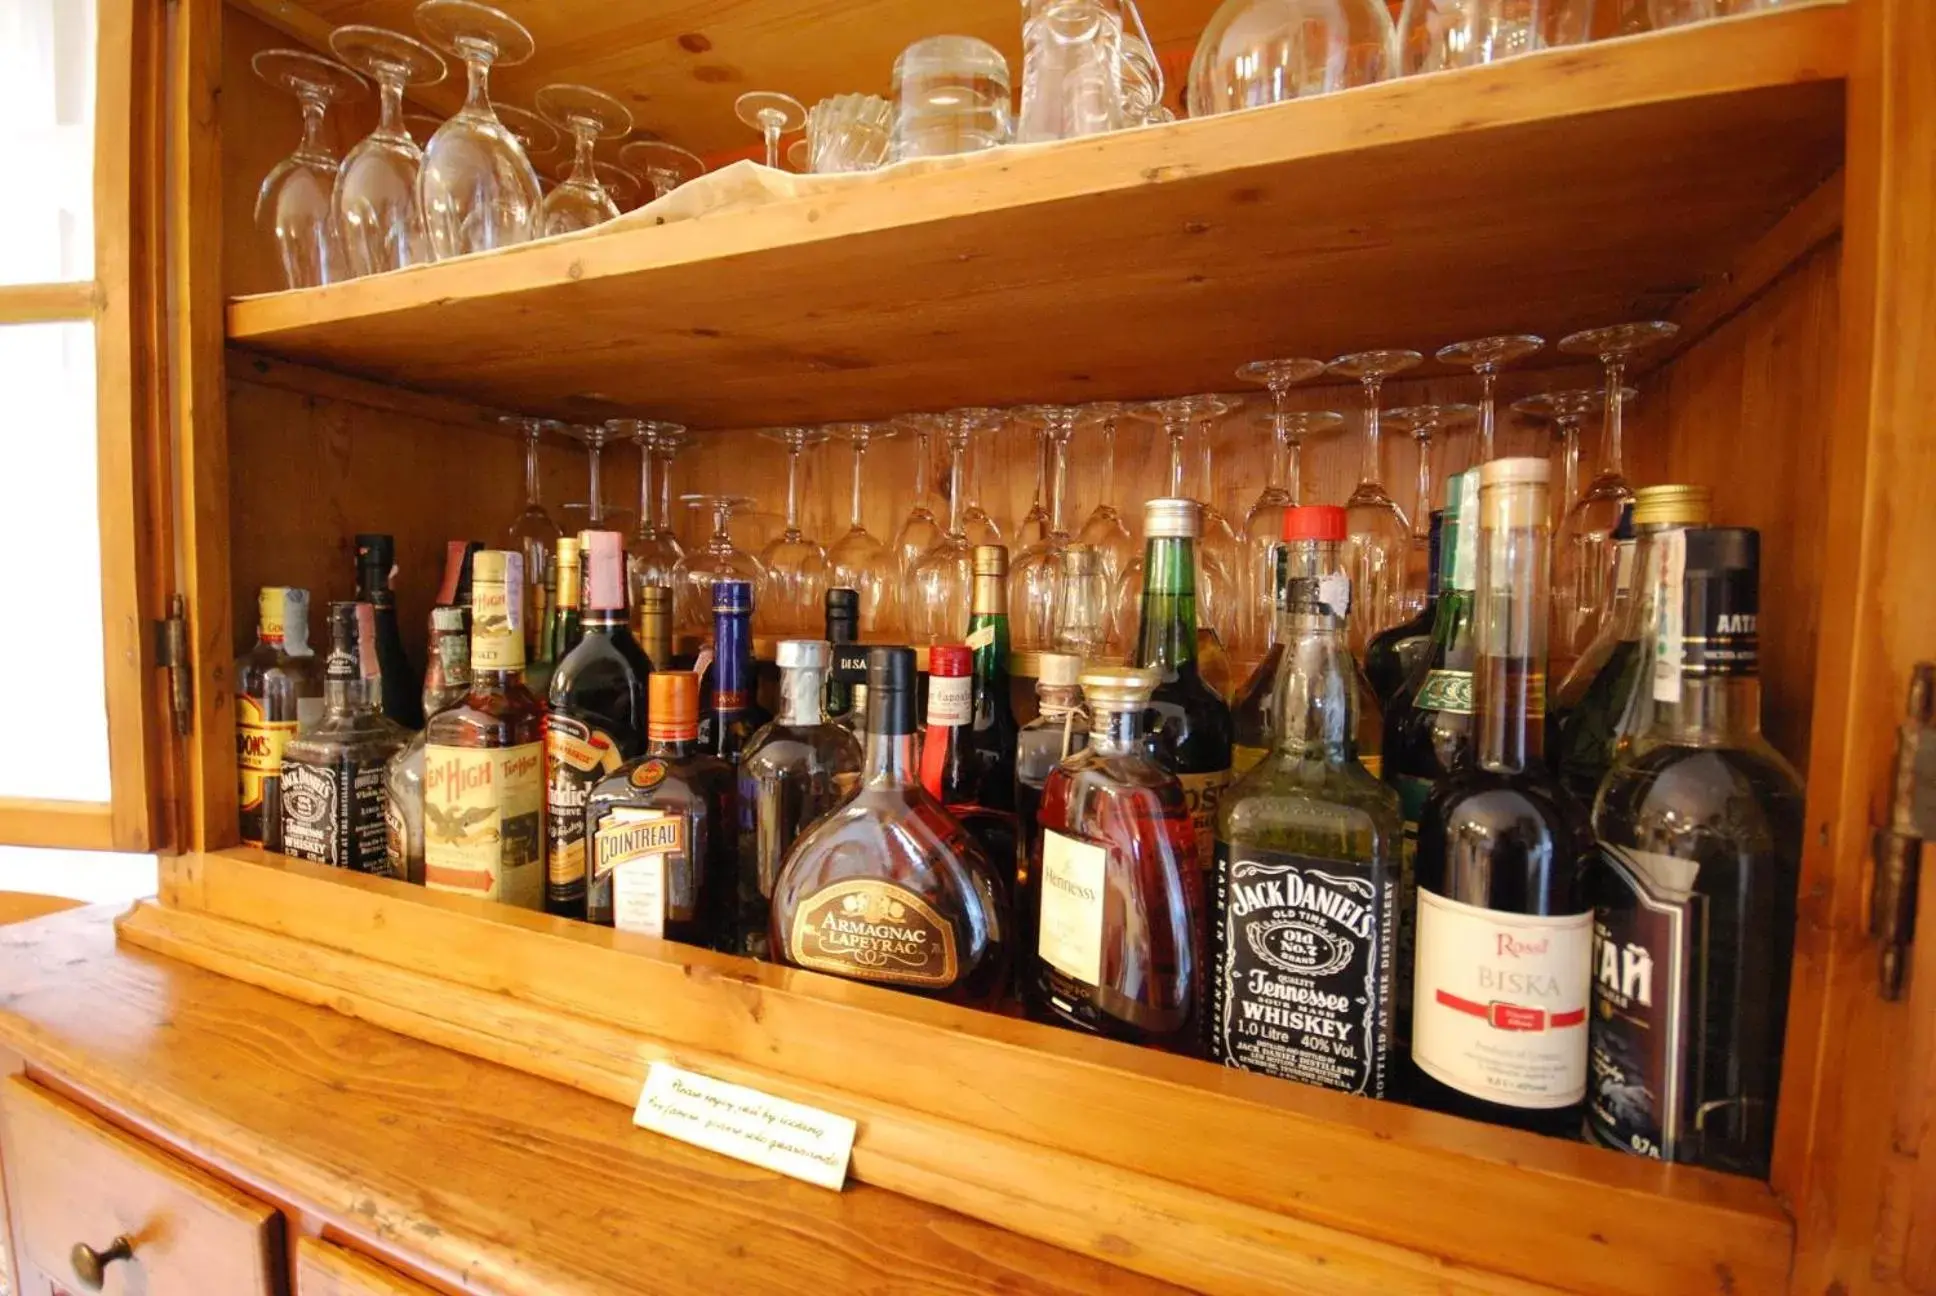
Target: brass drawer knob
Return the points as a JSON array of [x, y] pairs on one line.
[[91, 1266]]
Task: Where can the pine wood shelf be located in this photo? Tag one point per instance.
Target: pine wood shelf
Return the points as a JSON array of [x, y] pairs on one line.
[[1549, 193]]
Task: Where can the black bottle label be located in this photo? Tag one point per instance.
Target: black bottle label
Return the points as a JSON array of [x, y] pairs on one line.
[[576, 756], [1643, 922], [1302, 971], [333, 814]]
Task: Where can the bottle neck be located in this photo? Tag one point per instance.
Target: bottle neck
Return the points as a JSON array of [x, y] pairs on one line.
[[1711, 713], [1051, 700], [685, 745], [802, 690], [1509, 674], [1167, 639], [1117, 732], [1316, 688], [732, 661]]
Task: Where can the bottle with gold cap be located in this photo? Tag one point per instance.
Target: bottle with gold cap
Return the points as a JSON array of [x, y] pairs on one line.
[[278, 692], [1059, 730], [653, 619], [662, 829], [988, 740], [1114, 890]]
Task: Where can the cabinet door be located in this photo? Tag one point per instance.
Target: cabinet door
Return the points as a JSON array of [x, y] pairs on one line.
[[82, 374], [325, 1269]]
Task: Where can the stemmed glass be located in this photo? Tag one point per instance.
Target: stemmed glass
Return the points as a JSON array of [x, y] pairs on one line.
[[1485, 356], [1301, 426], [1214, 579], [937, 596], [596, 436], [620, 185], [588, 116], [532, 532], [477, 187], [1423, 423], [717, 560], [375, 200], [664, 166], [294, 206], [1218, 542], [1379, 535], [654, 551], [796, 566], [1264, 523], [1104, 529], [918, 532], [977, 523], [536, 136], [1034, 526], [1567, 411], [772, 114], [1034, 578], [1434, 35], [858, 561]]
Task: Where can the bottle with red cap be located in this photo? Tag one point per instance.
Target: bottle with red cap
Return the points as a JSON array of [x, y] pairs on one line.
[[952, 769]]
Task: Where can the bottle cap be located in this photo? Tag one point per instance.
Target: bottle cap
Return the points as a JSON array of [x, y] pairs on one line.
[[1118, 687], [803, 654], [1314, 522], [605, 568], [732, 596], [376, 551], [950, 661], [655, 599], [1059, 670], [672, 705], [890, 690], [1672, 505], [1172, 519], [1502, 472], [850, 664], [991, 560], [842, 601]]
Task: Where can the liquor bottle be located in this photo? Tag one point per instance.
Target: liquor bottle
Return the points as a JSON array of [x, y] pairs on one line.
[[1058, 730], [1585, 728], [850, 671], [484, 757], [663, 829], [1115, 889], [1190, 728], [1305, 900], [989, 742], [568, 616], [654, 618], [594, 720], [1504, 929], [375, 566], [455, 588], [1394, 653], [793, 771], [890, 888], [843, 630], [447, 681], [735, 714], [277, 693], [332, 774], [952, 769], [1700, 829]]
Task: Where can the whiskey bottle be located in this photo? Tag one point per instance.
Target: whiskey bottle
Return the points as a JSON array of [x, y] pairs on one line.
[[566, 608], [594, 721], [1700, 828], [793, 771], [890, 888], [455, 588], [447, 681], [1394, 652], [484, 757], [952, 769], [732, 714], [1115, 890], [988, 745], [1504, 924], [332, 774], [277, 693], [843, 631], [375, 567], [653, 616], [1304, 904], [663, 829], [1189, 729]]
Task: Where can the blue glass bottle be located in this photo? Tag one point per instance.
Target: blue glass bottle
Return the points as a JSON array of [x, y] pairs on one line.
[[732, 713]]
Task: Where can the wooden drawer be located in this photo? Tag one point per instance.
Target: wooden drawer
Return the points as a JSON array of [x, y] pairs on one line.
[[325, 1269], [72, 1178]]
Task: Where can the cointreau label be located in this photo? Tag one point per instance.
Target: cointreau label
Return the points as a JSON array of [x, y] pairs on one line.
[[870, 930], [577, 756], [643, 851], [483, 822]]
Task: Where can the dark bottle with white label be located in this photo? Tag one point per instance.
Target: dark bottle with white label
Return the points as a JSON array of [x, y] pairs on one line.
[[1700, 830], [375, 565]]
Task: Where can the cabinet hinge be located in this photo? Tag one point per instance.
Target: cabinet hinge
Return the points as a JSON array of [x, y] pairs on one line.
[[171, 655], [1898, 845]]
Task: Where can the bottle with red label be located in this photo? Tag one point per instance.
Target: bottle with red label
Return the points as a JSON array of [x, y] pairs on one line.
[[1503, 941], [954, 770]]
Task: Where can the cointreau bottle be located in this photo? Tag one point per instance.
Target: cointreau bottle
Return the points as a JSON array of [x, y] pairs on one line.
[[376, 560], [277, 692]]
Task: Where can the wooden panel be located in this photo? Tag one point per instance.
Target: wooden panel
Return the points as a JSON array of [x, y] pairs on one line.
[[78, 1180], [67, 825], [48, 303], [325, 1269], [1546, 193], [19, 906]]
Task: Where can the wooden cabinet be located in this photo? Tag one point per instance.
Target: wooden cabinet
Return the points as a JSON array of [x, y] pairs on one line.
[[325, 1269]]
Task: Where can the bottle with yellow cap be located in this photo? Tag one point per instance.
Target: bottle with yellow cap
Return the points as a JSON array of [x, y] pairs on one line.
[[278, 692]]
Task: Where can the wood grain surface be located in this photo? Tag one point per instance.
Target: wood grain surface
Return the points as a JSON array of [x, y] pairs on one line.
[[325, 1269]]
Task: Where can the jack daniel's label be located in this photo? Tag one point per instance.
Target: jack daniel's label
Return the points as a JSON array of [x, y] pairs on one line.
[[577, 756], [872, 930], [333, 814], [1302, 977]]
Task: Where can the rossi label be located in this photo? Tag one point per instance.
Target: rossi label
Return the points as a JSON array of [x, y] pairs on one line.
[[1074, 874], [874, 931], [1302, 977], [951, 700], [1446, 690], [1203, 794], [577, 756], [644, 852], [1499, 1002], [333, 814], [483, 822]]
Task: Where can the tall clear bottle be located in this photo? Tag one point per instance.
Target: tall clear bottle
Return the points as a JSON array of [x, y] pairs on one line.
[[278, 692], [447, 681], [1700, 829], [376, 561]]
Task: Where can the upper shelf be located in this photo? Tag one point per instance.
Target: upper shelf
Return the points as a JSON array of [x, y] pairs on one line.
[[1566, 189]]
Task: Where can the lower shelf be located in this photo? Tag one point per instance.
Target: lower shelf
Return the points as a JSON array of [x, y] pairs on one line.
[[1216, 1179]]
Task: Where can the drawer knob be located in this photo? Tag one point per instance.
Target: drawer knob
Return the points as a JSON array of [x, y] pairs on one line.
[[91, 1266]]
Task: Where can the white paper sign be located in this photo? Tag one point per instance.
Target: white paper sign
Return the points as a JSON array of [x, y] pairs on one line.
[[795, 1140]]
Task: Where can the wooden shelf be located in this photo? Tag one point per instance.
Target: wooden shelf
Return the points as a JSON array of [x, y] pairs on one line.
[[1549, 193]]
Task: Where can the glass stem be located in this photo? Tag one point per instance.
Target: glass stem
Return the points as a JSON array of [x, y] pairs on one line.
[[1041, 467], [853, 520], [477, 90], [1369, 471], [1422, 515], [584, 135], [1294, 474], [665, 488], [921, 469], [1569, 464], [793, 492], [313, 143], [533, 494], [647, 524], [1208, 481], [1487, 413], [595, 507], [390, 115], [957, 480], [1177, 433], [1611, 452], [1059, 483], [772, 131], [1108, 464], [1279, 441]]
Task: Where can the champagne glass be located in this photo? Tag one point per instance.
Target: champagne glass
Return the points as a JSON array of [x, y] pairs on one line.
[[937, 597], [977, 523], [919, 531], [587, 116], [796, 566], [1379, 534], [664, 166], [293, 207], [1423, 423], [772, 114], [620, 185], [1034, 527], [717, 560], [477, 187], [1034, 577], [533, 533], [1264, 523], [375, 200], [1485, 357], [654, 551], [858, 561]]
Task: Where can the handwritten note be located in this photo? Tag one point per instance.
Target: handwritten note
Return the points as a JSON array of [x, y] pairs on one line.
[[791, 1138]]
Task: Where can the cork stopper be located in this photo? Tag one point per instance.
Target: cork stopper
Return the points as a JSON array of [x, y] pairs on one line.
[[1512, 494], [1673, 505], [1059, 670], [672, 706]]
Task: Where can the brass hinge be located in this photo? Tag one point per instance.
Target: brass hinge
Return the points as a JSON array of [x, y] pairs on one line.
[[171, 655], [1898, 844]]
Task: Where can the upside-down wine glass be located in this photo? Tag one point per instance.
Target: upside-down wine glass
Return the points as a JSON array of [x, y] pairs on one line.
[[1301, 426], [664, 166], [1264, 523], [1423, 423], [1104, 529], [1214, 580], [717, 560], [858, 560], [796, 566], [1567, 411], [477, 187], [624, 188], [1379, 535], [375, 202], [1034, 526], [772, 114], [653, 552], [294, 205], [533, 533], [595, 514], [587, 116], [936, 599], [536, 136], [1034, 590], [1485, 357], [1218, 542], [977, 523], [919, 531]]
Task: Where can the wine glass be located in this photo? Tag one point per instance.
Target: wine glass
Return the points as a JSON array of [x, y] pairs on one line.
[[977, 523], [1104, 530], [533, 533], [1301, 426], [919, 531], [1215, 582], [799, 158], [1034, 577], [1218, 542], [1380, 535], [1434, 35], [587, 116], [421, 127], [796, 566], [477, 187], [595, 514], [1423, 423], [1567, 411], [375, 200], [536, 136], [293, 207], [717, 560], [1485, 356], [1257, 52], [858, 561], [1034, 526], [664, 166], [654, 551], [772, 114], [624, 188], [936, 599], [1264, 523]]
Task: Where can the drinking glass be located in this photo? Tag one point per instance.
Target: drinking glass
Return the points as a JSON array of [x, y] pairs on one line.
[[375, 199], [1423, 423], [772, 114], [587, 116], [1216, 584], [950, 96], [849, 132], [1072, 69], [1081, 604], [1434, 35], [1567, 411], [596, 514], [1257, 52], [858, 560], [533, 533], [918, 532], [293, 207], [1218, 543], [1142, 76], [939, 587], [1034, 526], [421, 127], [1675, 13], [664, 166], [1034, 577], [1301, 426], [796, 566], [717, 560], [1485, 357], [1379, 535], [536, 136], [1104, 529], [981, 424], [477, 187], [653, 551], [1264, 524], [799, 157]]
